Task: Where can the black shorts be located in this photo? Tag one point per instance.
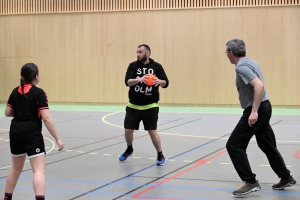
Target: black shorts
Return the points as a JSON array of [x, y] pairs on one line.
[[26, 138], [134, 117]]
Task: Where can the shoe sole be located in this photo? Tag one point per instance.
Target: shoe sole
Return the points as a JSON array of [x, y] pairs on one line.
[[161, 164], [287, 185], [125, 159], [245, 193]]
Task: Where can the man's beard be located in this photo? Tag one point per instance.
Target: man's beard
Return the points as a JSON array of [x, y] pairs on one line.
[[143, 59]]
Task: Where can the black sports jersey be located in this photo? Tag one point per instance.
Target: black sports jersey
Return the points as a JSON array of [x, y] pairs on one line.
[[27, 108]]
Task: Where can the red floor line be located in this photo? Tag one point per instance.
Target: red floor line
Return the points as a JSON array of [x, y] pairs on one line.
[[197, 164], [145, 197], [297, 154]]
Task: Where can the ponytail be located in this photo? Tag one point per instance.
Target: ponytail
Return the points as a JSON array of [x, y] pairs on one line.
[[22, 82]]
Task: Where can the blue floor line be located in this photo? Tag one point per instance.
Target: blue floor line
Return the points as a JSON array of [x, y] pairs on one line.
[[126, 178], [135, 174], [274, 192], [209, 143]]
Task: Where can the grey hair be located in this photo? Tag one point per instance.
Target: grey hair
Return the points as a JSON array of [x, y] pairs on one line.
[[237, 47]]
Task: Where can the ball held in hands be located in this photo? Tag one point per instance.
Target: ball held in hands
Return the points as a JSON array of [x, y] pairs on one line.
[[150, 79]]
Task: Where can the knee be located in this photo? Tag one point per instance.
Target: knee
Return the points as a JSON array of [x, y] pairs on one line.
[[17, 169], [153, 133], [229, 146], [39, 171], [261, 146], [129, 131]]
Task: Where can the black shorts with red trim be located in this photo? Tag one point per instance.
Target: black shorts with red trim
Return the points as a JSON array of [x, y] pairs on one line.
[[26, 138]]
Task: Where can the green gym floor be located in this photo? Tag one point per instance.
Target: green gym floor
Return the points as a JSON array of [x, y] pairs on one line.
[[193, 141]]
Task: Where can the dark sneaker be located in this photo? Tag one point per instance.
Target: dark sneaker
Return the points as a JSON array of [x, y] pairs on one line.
[[284, 183], [160, 160], [126, 154], [247, 188]]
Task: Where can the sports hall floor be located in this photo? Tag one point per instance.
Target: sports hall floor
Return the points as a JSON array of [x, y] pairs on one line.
[[193, 141]]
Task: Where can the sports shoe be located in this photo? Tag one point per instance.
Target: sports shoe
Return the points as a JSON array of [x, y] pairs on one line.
[[160, 160], [247, 188], [284, 183], [126, 154]]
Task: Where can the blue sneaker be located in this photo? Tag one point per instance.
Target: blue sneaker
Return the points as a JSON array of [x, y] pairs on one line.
[[160, 160], [126, 154]]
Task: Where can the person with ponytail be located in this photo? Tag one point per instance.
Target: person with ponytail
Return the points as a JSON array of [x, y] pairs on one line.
[[28, 105]]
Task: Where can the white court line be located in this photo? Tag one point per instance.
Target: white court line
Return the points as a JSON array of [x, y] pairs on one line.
[[182, 135]]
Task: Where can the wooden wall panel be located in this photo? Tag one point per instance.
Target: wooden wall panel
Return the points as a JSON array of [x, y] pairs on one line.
[[291, 50], [53, 6], [83, 57]]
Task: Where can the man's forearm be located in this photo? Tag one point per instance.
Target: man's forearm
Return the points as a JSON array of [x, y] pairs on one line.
[[132, 82], [258, 94]]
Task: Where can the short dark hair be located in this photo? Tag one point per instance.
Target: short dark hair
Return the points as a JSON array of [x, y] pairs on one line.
[[237, 46], [146, 47]]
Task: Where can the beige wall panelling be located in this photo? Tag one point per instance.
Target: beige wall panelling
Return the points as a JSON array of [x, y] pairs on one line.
[[291, 52], [38, 6], [83, 57], [14, 50]]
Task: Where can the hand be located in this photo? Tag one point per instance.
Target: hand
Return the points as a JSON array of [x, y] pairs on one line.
[[60, 144], [157, 82], [142, 79], [252, 118]]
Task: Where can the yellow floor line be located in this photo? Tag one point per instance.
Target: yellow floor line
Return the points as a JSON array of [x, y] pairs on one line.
[[47, 152]]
